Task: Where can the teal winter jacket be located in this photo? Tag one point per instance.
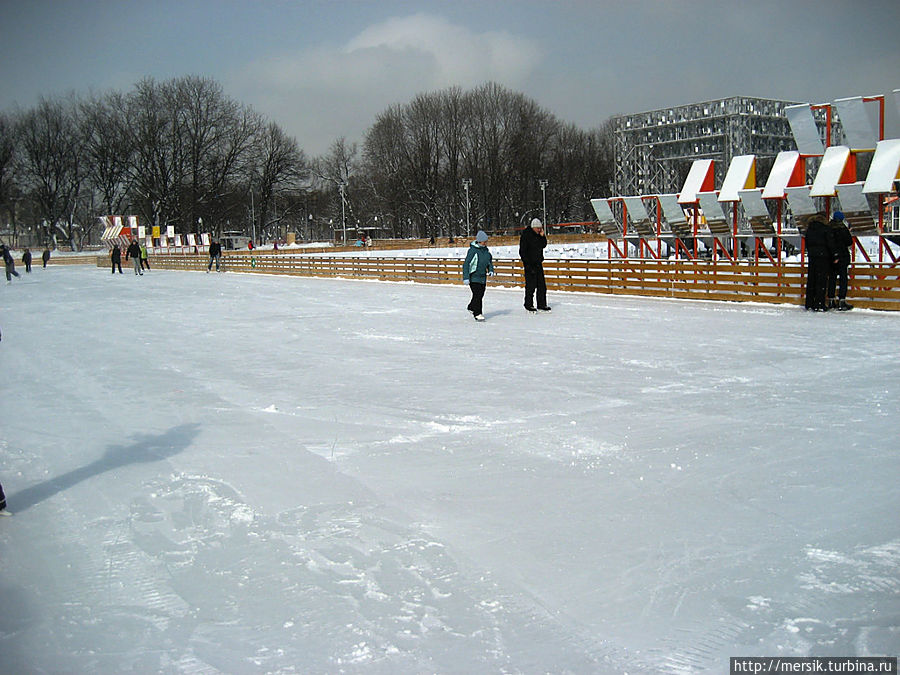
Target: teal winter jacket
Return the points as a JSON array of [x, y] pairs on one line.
[[479, 263]]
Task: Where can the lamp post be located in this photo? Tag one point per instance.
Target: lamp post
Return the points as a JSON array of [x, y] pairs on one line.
[[466, 183], [343, 213], [252, 218], [543, 182]]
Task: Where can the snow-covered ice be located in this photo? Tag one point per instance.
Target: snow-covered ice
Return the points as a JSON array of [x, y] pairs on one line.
[[225, 473]]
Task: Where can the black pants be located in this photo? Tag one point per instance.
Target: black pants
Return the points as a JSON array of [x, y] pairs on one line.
[[534, 281], [816, 281], [117, 263], [145, 263], [837, 279], [477, 297], [2, 499], [213, 258]]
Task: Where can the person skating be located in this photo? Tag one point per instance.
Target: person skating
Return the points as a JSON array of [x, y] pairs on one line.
[[841, 242], [8, 263], [26, 260], [45, 256], [145, 258], [479, 263], [819, 255], [215, 253], [134, 252], [115, 255], [531, 251]]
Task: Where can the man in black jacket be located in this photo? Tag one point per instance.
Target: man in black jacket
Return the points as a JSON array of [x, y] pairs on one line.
[[215, 253], [819, 256], [531, 251], [115, 255], [841, 242]]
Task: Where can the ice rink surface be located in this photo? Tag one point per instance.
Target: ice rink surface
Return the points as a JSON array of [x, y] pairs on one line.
[[225, 473]]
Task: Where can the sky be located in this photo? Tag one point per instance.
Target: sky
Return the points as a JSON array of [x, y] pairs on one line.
[[325, 69]]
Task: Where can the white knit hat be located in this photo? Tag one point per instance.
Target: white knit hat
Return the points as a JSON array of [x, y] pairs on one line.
[[536, 222]]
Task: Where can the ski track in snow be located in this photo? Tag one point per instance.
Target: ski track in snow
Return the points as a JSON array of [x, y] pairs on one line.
[[293, 475]]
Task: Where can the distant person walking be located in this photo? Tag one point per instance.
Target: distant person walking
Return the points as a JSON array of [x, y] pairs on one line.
[[479, 263], [145, 258], [26, 260], [819, 256], [115, 255], [531, 251], [841, 243], [45, 256], [134, 252], [8, 263]]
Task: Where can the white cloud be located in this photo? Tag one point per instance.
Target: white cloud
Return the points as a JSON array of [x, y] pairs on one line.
[[456, 54], [321, 93]]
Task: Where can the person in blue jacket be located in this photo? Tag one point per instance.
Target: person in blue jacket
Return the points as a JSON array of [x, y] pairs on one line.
[[478, 265]]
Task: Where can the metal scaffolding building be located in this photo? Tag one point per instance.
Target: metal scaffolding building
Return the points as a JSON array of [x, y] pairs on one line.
[[655, 149]]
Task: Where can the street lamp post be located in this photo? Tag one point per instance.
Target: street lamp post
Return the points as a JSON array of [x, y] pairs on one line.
[[543, 182], [466, 183], [343, 213]]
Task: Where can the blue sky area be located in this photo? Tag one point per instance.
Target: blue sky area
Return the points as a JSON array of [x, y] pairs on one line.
[[324, 70]]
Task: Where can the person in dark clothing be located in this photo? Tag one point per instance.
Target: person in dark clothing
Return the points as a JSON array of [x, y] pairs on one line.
[[115, 255], [8, 263], [26, 260], [531, 251], [45, 256], [819, 256], [134, 252], [215, 253], [841, 243]]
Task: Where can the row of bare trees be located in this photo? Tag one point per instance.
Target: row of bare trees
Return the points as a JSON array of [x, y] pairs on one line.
[[479, 157], [178, 152], [183, 153]]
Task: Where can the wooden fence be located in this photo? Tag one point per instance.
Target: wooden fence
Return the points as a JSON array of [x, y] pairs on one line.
[[872, 285]]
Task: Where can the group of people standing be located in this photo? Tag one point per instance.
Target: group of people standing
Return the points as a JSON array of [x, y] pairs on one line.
[[135, 252], [828, 251], [479, 264]]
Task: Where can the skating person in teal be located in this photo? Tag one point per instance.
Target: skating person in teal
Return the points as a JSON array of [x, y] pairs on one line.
[[478, 265]]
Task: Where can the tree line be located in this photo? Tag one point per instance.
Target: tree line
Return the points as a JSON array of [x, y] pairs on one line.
[[182, 153]]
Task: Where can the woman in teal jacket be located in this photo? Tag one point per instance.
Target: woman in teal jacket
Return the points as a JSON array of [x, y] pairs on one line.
[[478, 265]]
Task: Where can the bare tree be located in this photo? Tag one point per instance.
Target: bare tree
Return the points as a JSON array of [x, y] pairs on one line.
[[108, 149], [9, 191], [52, 166], [277, 167], [337, 170]]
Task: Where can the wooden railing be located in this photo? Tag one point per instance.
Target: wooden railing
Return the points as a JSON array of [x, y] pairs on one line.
[[872, 285]]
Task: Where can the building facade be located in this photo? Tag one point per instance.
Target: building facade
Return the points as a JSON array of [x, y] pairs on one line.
[[654, 150]]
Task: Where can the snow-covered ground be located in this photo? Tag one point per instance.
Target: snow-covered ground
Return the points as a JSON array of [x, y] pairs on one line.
[[224, 473]]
